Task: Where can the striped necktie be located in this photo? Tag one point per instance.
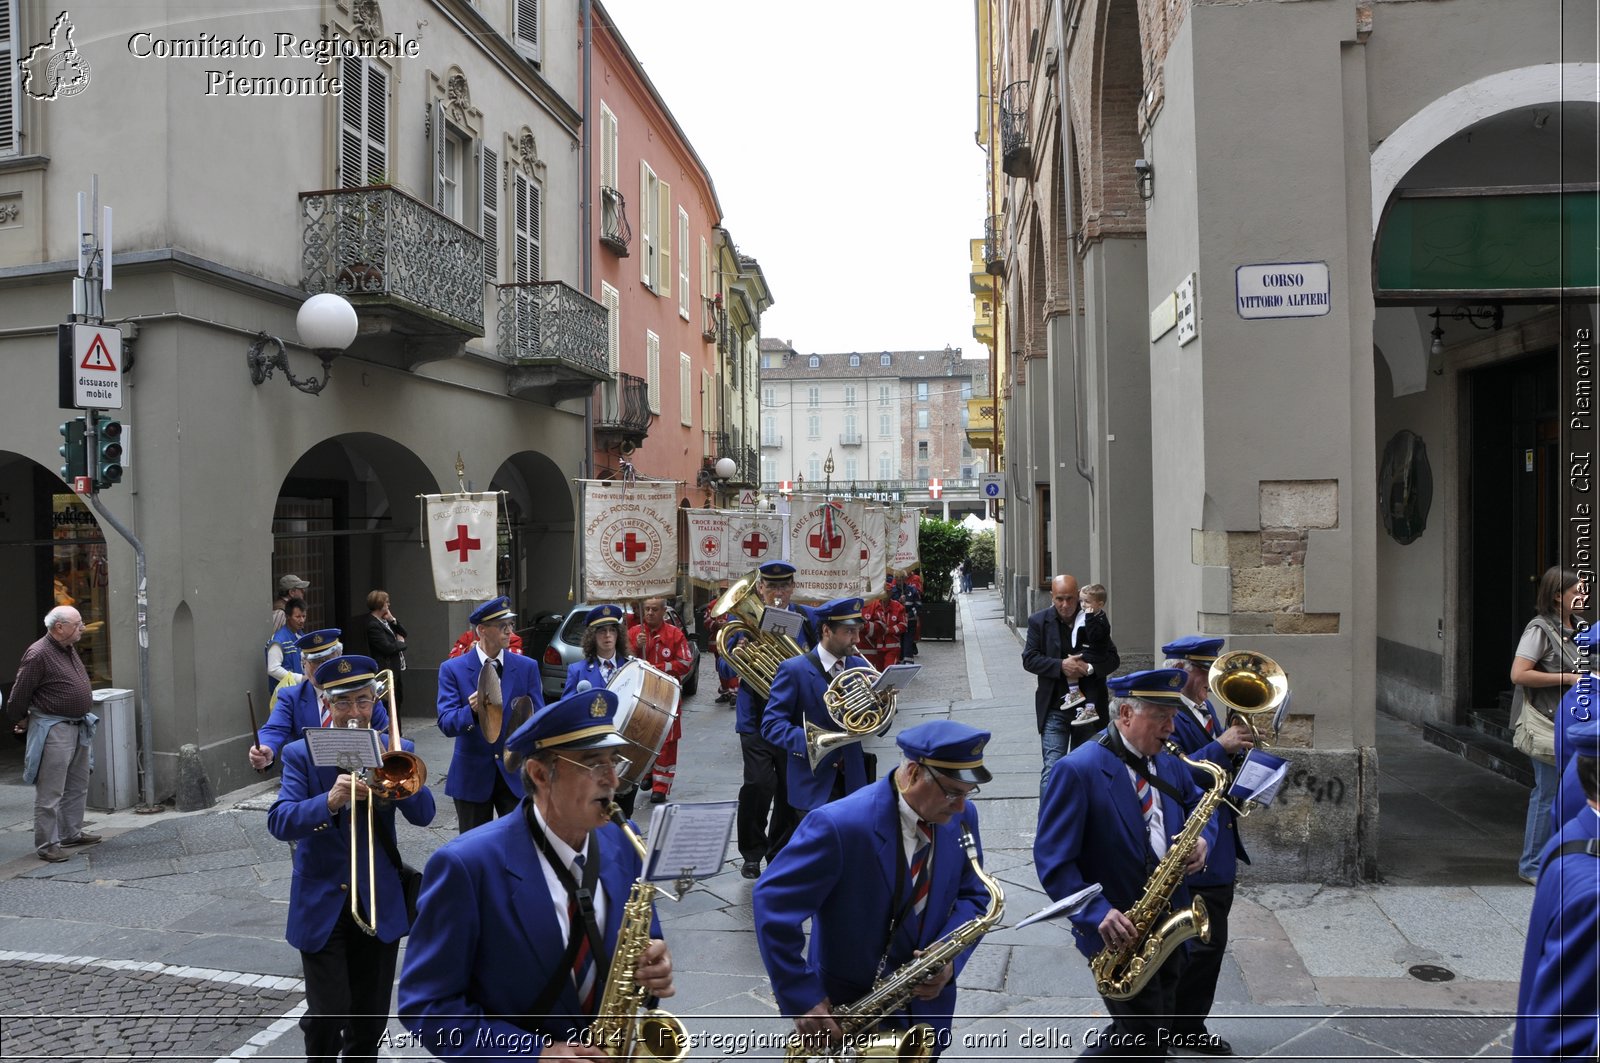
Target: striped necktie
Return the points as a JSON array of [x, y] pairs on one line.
[[1210, 720], [324, 714], [1147, 808], [583, 960], [921, 878], [606, 668]]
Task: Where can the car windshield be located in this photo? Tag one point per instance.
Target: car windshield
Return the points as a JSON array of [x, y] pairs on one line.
[[572, 633]]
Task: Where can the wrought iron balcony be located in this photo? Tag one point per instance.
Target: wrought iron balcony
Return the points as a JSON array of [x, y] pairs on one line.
[[771, 442], [749, 461], [849, 439], [615, 232], [553, 337], [1016, 156], [398, 261], [711, 316], [622, 410], [994, 252]]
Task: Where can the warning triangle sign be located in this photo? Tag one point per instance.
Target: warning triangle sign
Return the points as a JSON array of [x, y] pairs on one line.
[[98, 356]]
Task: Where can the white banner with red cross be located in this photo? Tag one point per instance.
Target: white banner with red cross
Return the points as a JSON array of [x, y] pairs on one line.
[[907, 551], [708, 545], [630, 540], [825, 540], [874, 549], [754, 539], [462, 545]]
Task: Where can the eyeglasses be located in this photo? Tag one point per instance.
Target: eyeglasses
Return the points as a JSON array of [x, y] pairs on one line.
[[952, 796], [615, 765], [345, 704]]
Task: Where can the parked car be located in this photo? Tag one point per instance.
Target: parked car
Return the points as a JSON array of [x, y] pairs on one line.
[[566, 647]]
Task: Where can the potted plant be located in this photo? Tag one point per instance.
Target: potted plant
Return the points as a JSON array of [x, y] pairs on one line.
[[943, 544], [980, 558]]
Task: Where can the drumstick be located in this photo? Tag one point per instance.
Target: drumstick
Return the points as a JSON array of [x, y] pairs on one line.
[[250, 703]]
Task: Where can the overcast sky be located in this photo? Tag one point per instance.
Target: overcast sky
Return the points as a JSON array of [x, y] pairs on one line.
[[839, 136]]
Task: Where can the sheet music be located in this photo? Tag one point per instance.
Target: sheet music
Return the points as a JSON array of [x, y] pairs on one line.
[[1259, 778], [896, 677], [689, 839], [1069, 906], [782, 622], [345, 748]]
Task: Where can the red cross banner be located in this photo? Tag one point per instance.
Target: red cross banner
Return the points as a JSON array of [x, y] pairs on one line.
[[874, 549], [462, 545], [906, 551], [709, 545], [630, 540], [754, 539], [825, 542]]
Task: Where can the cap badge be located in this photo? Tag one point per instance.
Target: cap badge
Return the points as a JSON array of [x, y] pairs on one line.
[[344, 667], [597, 708]]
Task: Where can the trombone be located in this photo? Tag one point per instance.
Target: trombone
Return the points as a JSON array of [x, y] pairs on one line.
[[399, 776]]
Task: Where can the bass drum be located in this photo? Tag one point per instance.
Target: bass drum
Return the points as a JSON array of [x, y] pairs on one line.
[[647, 706]]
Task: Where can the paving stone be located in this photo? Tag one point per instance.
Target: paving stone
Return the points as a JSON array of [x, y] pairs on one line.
[[212, 834], [264, 920], [115, 906], [239, 953]]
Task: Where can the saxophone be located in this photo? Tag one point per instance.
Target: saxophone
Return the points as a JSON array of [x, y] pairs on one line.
[[891, 992], [1120, 974], [626, 1027]]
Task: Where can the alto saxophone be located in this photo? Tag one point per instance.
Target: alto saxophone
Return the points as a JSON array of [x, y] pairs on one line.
[[625, 1028], [1120, 974], [890, 993]]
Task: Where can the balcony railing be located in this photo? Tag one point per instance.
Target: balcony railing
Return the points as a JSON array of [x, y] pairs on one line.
[[711, 316], [994, 251], [556, 333], [849, 439], [771, 442], [389, 253], [1016, 156], [904, 489], [615, 231], [622, 409]]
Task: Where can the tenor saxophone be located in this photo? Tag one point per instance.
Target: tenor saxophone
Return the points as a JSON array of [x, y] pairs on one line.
[[1120, 974], [625, 1028], [891, 992]]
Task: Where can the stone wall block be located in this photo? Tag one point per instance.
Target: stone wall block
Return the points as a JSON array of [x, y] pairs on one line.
[[1299, 503], [1268, 590]]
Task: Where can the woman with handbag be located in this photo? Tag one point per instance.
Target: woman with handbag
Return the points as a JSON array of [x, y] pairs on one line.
[[1547, 662]]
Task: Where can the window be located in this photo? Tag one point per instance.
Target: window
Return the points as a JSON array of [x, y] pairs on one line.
[[922, 391], [655, 210], [652, 371], [884, 359], [10, 105], [883, 426], [814, 469], [966, 390], [527, 28], [813, 427], [885, 467], [813, 362], [611, 299], [769, 431], [685, 390], [966, 449], [708, 406], [922, 450], [769, 470], [855, 360], [963, 417], [922, 418], [451, 151], [922, 472], [683, 263], [609, 134], [850, 469], [813, 396], [527, 223], [769, 396], [363, 123], [966, 472], [850, 393], [850, 428], [883, 394], [489, 221]]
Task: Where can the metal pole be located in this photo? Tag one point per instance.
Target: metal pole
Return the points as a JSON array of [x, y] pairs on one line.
[[142, 611]]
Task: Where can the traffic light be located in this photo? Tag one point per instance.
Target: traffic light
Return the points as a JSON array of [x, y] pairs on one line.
[[108, 452], [74, 449]]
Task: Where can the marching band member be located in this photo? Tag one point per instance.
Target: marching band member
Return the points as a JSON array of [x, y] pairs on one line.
[[604, 650], [880, 874], [666, 647], [478, 781], [348, 972], [1109, 810], [297, 705], [509, 954], [796, 697], [764, 788], [1203, 735]]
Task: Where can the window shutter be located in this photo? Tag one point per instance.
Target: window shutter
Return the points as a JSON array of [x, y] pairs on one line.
[[436, 131], [685, 390], [683, 263], [708, 402], [608, 147], [611, 299], [527, 230], [652, 380], [705, 270], [377, 126], [352, 129], [527, 27], [647, 237], [10, 107], [664, 240], [490, 227]]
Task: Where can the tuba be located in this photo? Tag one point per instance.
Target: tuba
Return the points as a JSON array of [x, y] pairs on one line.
[[853, 706], [890, 994], [757, 657], [1250, 686]]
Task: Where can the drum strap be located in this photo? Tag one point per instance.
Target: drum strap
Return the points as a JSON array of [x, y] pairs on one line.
[[561, 975]]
